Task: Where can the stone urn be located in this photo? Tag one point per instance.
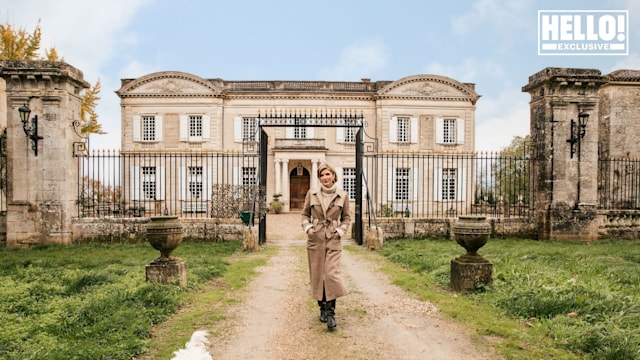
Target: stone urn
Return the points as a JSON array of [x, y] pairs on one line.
[[470, 271], [472, 232], [164, 233]]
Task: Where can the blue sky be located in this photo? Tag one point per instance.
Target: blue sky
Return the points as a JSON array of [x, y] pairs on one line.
[[490, 43]]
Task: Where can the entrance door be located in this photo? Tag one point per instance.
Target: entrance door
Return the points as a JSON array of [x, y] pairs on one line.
[[298, 185]]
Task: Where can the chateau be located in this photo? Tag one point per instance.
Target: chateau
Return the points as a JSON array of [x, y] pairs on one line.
[[182, 113]]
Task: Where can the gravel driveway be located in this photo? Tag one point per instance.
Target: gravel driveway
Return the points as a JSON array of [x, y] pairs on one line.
[[277, 318]]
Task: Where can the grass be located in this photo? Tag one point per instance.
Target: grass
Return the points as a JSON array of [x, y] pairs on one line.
[[560, 300], [557, 300], [92, 301]]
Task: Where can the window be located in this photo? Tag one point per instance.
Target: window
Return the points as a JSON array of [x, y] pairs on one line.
[[195, 181], [449, 131], [402, 184], [350, 134], [195, 128], [349, 181], [299, 131], [149, 182], [249, 128], [195, 125], [249, 176], [449, 179], [148, 128], [403, 129]]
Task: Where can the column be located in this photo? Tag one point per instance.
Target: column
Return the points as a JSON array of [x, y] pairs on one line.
[[314, 173], [278, 173], [285, 183], [565, 190]]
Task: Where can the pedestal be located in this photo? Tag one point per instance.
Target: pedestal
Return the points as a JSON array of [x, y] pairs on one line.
[[467, 275], [167, 272]]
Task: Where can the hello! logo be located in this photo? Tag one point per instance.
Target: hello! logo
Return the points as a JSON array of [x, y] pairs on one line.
[[583, 32]]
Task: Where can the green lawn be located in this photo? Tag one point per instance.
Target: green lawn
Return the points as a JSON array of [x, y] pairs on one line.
[[92, 301], [557, 300], [549, 299]]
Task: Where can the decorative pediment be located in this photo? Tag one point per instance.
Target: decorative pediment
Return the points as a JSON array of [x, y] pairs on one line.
[[169, 84], [430, 86]]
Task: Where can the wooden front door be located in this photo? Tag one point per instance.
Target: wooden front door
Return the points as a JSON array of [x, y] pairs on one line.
[[298, 187]]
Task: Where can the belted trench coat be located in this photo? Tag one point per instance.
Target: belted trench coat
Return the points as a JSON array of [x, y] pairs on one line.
[[323, 244]]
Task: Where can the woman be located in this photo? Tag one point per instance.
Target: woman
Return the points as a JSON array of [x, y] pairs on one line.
[[326, 218]]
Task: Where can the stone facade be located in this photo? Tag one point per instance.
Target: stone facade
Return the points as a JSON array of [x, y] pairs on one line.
[[566, 173], [42, 189], [179, 112]]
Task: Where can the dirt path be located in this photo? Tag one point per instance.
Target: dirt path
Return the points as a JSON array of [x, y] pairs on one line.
[[377, 320]]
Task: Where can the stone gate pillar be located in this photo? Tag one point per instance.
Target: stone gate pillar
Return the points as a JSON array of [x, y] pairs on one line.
[[563, 172], [41, 190]]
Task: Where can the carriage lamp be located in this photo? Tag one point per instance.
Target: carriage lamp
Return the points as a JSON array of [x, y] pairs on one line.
[[578, 131], [30, 127]]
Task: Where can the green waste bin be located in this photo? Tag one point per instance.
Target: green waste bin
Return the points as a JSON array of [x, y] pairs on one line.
[[245, 216]]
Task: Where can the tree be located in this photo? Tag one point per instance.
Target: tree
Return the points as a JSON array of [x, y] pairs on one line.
[[20, 45], [511, 171], [88, 115]]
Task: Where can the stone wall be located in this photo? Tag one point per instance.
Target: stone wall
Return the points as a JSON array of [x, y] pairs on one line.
[[133, 230], [398, 228], [612, 224]]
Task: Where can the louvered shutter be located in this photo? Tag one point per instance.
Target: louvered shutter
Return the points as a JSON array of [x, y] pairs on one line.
[[137, 128], [416, 179], [160, 182], [439, 130], [340, 135], [462, 180], [135, 180], [207, 178], [414, 130], [206, 128], [184, 128], [183, 185], [159, 128], [390, 176], [393, 129], [237, 129], [460, 131], [437, 184]]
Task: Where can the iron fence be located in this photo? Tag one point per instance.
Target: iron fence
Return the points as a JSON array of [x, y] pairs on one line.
[[448, 185], [619, 183], [120, 184]]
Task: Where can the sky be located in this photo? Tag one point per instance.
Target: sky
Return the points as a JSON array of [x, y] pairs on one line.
[[491, 43]]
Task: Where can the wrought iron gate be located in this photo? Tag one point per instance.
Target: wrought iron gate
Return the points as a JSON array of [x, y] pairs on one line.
[[340, 118]]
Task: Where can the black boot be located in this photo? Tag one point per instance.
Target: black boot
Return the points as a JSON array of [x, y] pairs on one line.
[[331, 313], [323, 311]]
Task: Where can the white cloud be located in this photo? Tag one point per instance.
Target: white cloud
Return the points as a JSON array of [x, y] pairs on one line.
[[499, 120], [358, 61], [470, 70], [86, 33], [504, 16], [89, 35]]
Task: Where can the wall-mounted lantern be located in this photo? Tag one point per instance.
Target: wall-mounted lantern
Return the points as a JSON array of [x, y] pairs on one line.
[[578, 131], [30, 127]]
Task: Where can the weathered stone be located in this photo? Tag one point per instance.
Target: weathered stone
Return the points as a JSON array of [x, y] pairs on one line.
[[374, 237], [250, 238], [173, 271], [468, 274]]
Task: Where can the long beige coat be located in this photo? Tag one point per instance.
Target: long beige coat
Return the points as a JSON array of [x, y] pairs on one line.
[[323, 244]]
